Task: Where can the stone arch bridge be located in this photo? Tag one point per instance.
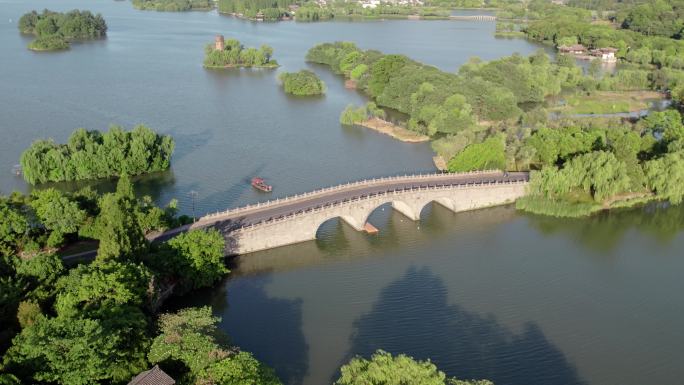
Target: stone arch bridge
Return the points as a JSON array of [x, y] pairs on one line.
[[296, 219]]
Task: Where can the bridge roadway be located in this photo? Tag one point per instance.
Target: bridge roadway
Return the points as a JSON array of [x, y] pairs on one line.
[[275, 209]]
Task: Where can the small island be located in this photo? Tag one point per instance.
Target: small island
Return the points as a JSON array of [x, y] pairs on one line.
[[173, 5], [54, 30], [302, 83], [232, 54], [93, 155]]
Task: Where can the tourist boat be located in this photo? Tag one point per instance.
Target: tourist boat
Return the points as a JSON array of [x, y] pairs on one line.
[[260, 184]]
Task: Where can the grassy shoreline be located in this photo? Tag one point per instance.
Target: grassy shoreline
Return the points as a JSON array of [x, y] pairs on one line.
[[565, 209], [607, 102]]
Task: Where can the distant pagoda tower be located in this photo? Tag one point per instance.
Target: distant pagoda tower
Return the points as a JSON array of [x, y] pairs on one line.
[[220, 43]]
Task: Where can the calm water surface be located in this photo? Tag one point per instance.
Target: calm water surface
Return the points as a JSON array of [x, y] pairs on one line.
[[488, 294]]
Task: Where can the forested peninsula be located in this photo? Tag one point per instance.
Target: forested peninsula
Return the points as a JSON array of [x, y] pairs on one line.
[[232, 54], [54, 30], [92, 155], [477, 121]]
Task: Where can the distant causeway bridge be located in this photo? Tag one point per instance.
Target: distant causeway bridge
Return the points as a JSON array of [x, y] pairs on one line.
[[297, 218], [473, 18]]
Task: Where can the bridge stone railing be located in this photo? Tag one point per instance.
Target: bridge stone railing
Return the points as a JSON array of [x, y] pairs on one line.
[[375, 195], [340, 187]]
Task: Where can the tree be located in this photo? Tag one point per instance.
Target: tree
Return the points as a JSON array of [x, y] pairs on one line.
[[668, 123], [93, 290], [454, 115], [57, 213], [385, 369], [665, 176], [383, 70], [117, 226], [239, 369], [39, 274], [62, 350], [488, 155], [28, 313], [197, 257], [13, 225], [189, 336], [302, 83]]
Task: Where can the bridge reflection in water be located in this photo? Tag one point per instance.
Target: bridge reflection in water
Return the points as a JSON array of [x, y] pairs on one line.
[[296, 219]]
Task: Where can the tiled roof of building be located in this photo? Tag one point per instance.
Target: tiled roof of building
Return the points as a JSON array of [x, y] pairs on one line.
[[154, 376]]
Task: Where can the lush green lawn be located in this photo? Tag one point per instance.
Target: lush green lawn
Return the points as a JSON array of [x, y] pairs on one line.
[[606, 103]]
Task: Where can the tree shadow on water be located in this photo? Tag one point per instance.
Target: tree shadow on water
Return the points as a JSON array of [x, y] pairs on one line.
[[412, 316], [269, 327]]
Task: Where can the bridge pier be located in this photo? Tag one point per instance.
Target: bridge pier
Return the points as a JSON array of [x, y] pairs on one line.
[[410, 211]]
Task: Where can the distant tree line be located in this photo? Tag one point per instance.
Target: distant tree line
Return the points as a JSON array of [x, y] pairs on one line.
[[92, 154], [270, 9], [235, 54], [54, 30], [302, 83], [174, 5], [648, 34]]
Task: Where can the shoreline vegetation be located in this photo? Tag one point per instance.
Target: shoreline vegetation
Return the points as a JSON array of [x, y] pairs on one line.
[[393, 130], [230, 53], [95, 155], [308, 10], [55, 31]]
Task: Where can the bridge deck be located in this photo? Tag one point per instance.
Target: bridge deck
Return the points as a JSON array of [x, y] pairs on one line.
[[272, 210]]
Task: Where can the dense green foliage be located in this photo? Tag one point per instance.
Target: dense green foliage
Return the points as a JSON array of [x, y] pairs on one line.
[[197, 254], [488, 155], [91, 154], [302, 83], [385, 369], [352, 115], [49, 43], [235, 54], [191, 337], [92, 323], [173, 5], [588, 168], [54, 30]]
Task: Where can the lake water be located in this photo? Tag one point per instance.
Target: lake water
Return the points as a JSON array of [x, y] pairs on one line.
[[487, 294]]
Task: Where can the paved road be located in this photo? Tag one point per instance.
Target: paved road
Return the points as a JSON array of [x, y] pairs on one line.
[[340, 194]]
